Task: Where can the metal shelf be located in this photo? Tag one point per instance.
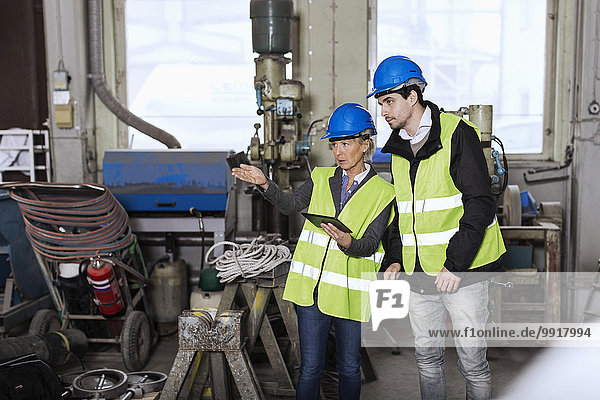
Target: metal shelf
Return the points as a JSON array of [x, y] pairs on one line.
[[32, 149]]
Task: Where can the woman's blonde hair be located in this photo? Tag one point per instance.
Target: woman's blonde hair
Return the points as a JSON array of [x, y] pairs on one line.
[[364, 135], [367, 135]]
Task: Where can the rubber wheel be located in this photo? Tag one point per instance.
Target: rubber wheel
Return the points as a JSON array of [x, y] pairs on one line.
[[511, 206], [44, 321], [136, 341]]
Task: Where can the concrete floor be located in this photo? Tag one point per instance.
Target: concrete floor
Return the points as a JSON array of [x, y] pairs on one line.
[[398, 377], [161, 358], [397, 374]]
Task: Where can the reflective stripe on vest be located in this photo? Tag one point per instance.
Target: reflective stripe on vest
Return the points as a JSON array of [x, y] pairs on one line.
[[343, 280], [436, 238], [429, 213], [321, 239], [436, 204], [330, 277]]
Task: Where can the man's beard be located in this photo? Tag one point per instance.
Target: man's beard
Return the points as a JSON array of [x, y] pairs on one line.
[[397, 125]]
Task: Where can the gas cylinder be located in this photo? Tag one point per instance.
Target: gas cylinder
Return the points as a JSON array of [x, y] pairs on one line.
[[167, 291], [101, 276]]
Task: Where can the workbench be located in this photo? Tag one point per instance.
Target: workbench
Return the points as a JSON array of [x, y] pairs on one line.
[[549, 235]]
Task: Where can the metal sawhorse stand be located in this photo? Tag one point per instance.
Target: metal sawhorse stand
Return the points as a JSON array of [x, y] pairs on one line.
[[214, 357], [206, 346], [223, 342], [257, 294]]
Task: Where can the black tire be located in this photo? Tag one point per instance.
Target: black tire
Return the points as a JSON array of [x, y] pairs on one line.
[[136, 341], [44, 321]]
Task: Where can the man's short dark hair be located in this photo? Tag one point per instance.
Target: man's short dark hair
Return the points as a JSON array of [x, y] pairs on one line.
[[405, 92]]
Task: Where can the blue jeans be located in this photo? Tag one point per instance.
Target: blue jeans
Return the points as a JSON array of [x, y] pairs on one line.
[[313, 327], [468, 309]]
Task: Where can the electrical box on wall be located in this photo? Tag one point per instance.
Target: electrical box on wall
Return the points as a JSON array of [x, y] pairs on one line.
[[60, 80], [63, 116]]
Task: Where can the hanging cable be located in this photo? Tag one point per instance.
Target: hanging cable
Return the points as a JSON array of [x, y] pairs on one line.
[[248, 260], [308, 164], [195, 212], [505, 163], [310, 128]]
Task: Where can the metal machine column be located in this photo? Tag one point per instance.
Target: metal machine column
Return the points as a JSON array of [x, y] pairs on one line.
[[278, 100]]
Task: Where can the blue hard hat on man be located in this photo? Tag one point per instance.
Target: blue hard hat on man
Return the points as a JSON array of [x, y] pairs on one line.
[[349, 119], [395, 72]]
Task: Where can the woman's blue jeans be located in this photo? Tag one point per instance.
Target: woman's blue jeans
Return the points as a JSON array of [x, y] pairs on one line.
[[313, 327]]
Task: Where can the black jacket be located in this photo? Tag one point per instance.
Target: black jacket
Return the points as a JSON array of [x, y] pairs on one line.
[[468, 171]]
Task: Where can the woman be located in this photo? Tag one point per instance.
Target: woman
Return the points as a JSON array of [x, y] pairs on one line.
[[337, 264]]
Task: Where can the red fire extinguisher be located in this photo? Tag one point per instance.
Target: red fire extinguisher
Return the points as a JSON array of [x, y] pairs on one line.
[[101, 276]]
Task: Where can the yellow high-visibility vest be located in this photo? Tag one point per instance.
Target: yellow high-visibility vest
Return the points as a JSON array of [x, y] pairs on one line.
[[429, 215], [343, 280]]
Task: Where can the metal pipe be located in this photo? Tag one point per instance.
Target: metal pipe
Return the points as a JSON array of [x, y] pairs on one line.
[[481, 116], [54, 293], [258, 207], [194, 241], [179, 241], [571, 203], [99, 83], [271, 136], [276, 221]]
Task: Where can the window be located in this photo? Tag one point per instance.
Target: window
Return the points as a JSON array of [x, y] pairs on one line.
[[191, 71], [474, 52]]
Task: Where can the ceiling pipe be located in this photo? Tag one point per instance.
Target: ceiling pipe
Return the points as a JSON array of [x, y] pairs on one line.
[[96, 46]]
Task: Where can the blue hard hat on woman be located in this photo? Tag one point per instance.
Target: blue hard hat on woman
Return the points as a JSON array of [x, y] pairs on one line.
[[394, 71], [349, 119]]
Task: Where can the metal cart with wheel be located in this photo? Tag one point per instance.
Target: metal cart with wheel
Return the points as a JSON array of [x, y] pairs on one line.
[[132, 328], [92, 265]]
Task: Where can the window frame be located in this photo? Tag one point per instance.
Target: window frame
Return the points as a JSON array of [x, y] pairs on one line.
[[549, 101]]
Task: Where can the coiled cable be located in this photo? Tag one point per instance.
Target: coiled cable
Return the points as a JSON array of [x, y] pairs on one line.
[[247, 260], [72, 221]]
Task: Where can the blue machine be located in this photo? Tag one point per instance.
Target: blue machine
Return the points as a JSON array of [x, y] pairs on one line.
[[13, 239], [26, 273], [168, 180], [379, 157]]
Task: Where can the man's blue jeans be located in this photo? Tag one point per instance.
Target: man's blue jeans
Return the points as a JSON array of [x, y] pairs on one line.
[[313, 327], [468, 309]]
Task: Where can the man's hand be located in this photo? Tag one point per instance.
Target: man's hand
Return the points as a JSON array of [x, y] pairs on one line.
[[342, 238], [251, 174], [446, 281], [391, 273]]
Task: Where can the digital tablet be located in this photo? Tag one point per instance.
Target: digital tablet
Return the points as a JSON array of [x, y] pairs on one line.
[[317, 220]]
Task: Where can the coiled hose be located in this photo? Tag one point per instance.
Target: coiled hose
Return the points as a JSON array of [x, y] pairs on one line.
[[72, 221], [247, 260]]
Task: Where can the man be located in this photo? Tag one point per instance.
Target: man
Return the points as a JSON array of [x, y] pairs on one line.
[[447, 225]]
